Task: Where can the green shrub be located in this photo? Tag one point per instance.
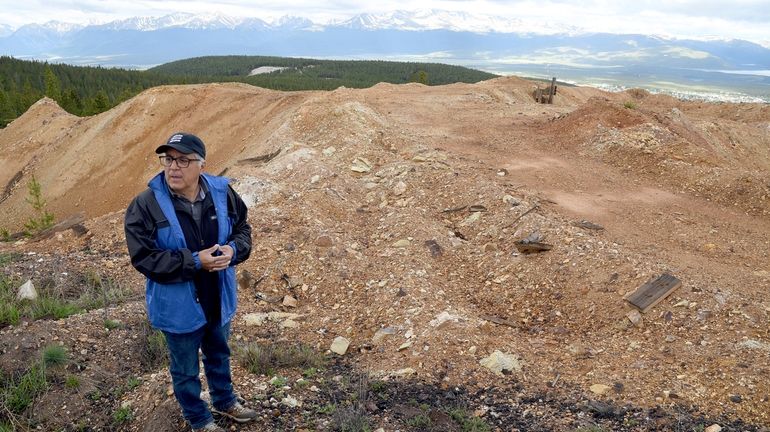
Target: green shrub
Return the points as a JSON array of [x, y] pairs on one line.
[[133, 382], [72, 382], [54, 355], [468, 423], [629, 104], [123, 415], [42, 220], [110, 324], [19, 395], [420, 422]]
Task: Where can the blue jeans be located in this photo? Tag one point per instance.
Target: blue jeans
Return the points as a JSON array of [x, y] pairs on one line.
[[183, 353]]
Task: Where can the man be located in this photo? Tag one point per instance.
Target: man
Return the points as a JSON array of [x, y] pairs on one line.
[[185, 233]]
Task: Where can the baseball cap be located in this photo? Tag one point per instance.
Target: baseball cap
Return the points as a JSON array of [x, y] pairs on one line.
[[184, 142]]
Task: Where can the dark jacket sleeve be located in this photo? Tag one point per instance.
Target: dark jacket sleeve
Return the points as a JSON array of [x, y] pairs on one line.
[[164, 266], [241, 234]]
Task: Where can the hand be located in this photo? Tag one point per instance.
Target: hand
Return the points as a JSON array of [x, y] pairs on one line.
[[227, 251], [214, 258]]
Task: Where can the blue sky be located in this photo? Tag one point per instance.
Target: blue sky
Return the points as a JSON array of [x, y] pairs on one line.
[[741, 19]]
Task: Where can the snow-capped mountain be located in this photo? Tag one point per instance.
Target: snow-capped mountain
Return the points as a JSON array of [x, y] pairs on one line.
[[184, 20], [434, 19], [492, 43]]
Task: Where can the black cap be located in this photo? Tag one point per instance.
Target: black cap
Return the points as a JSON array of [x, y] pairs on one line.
[[185, 143]]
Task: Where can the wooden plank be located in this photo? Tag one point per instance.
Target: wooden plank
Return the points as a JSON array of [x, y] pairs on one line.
[[653, 292], [552, 90]]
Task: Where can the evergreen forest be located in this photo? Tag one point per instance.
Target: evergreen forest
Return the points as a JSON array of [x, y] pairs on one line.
[[89, 90]]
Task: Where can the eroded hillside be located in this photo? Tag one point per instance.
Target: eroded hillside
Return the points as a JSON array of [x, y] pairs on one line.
[[398, 207]]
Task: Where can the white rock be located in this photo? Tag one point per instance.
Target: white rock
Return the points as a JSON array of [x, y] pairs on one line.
[[600, 389], [315, 179], [340, 345], [402, 243], [328, 151], [498, 362], [400, 188], [289, 324], [26, 291], [361, 165], [713, 428], [291, 402], [381, 333]]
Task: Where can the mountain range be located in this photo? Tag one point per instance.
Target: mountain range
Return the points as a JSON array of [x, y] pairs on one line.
[[732, 69]]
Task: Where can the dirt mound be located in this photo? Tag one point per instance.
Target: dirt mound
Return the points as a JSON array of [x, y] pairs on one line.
[[399, 206]]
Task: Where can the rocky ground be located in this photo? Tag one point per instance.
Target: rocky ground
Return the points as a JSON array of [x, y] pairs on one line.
[[388, 216]]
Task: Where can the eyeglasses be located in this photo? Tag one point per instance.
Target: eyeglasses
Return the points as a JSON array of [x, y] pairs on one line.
[[181, 162]]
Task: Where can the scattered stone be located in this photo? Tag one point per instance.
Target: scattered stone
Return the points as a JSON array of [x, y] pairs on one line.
[[588, 225], [404, 345], [435, 248], [399, 189], [502, 172], [259, 318], [713, 428], [290, 402], [289, 324], [490, 247], [315, 179], [736, 398], [381, 333], [340, 345], [328, 151], [499, 363], [683, 303], [26, 291], [324, 241], [475, 216], [600, 389], [404, 372], [361, 165], [444, 317], [754, 345], [511, 201], [635, 317], [289, 301], [402, 243]]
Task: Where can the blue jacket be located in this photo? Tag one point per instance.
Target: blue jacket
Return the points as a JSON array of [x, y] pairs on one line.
[[158, 249]]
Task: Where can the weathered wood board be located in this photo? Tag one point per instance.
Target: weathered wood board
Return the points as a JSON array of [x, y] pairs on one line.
[[651, 293]]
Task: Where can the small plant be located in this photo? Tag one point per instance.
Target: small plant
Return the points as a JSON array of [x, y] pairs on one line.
[[123, 415], [42, 220], [133, 382], [54, 355], [310, 372], [20, 395], [95, 395], [350, 419], [629, 104], [468, 423], [6, 427], [153, 353], [72, 382], [326, 409], [278, 381], [259, 359], [111, 324], [420, 422]]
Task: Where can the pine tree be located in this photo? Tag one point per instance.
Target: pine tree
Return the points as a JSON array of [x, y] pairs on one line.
[[43, 218], [52, 85]]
